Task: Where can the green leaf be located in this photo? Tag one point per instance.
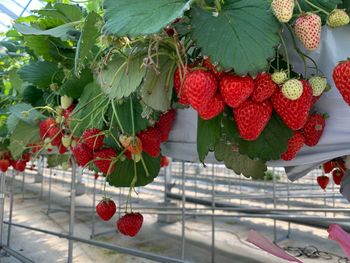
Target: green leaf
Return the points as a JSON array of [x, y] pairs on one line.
[[208, 134], [156, 91], [328, 5], [33, 96], [89, 34], [16, 82], [271, 143], [17, 115], [124, 172], [123, 111], [61, 32], [41, 73], [243, 35], [122, 76], [229, 129], [89, 111], [74, 86], [57, 159], [22, 135], [345, 5], [240, 164], [138, 17], [65, 12]]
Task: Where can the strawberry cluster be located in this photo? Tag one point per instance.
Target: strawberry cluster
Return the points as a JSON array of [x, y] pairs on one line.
[[253, 100], [337, 168], [6, 161]]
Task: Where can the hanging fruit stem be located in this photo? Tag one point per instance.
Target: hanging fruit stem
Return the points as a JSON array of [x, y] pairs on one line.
[[286, 54]]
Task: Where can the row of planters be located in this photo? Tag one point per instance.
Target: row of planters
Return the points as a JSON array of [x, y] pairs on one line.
[[102, 85]]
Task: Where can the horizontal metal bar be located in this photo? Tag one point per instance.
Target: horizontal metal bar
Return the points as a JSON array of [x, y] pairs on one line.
[[17, 255], [128, 251]]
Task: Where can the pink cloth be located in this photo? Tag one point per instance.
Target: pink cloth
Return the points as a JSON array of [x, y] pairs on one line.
[[266, 245], [338, 234]]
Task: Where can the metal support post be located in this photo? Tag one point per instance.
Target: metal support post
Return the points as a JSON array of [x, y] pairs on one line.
[[72, 213], [2, 205], [288, 204], [213, 214], [11, 209], [49, 193], [23, 180], [183, 211], [93, 211], [274, 206]]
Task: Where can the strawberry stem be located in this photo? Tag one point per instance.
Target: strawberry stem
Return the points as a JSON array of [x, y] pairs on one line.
[[286, 53], [317, 7], [116, 116], [299, 7]]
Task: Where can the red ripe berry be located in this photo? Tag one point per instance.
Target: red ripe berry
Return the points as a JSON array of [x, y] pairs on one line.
[[265, 87], [315, 100], [45, 126], [178, 84], [106, 209], [68, 112], [337, 176], [93, 138], [151, 140], [323, 181], [130, 224], [340, 164], [103, 159], [164, 161], [251, 118], [82, 154], [313, 129], [235, 89], [165, 123], [341, 76], [214, 107], [200, 86], [62, 149], [19, 165], [295, 143], [207, 63], [96, 176], [328, 167], [56, 135], [4, 165], [26, 157], [294, 113], [34, 147]]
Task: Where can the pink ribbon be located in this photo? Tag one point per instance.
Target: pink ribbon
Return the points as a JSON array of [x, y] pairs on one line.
[[266, 245], [338, 234]]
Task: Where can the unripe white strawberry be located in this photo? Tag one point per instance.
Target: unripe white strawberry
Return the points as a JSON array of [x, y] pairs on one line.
[[318, 85], [338, 18], [73, 143], [66, 141], [58, 119], [308, 29], [283, 9], [66, 102], [279, 77], [59, 110], [292, 89]]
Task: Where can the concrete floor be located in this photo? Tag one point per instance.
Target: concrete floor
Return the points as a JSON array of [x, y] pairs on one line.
[[157, 238]]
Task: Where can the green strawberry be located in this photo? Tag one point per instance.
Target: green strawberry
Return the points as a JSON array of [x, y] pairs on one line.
[[292, 89], [66, 141], [279, 77], [318, 84], [338, 18], [66, 102]]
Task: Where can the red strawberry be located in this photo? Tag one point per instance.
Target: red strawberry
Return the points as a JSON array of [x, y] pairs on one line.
[[150, 139], [96, 176], [45, 126], [19, 165], [165, 123], [295, 143], [62, 149], [82, 154], [56, 135], [265, 87], [337, 176], [106, 209], [235, 89], [68, 112], [294, 113], [308, 29], [130, 224], [214, 107], [323, 181], [340, 164], [34, 147], [103, 159], [200, 86], [313, 129], [328, 167], [178, 84], [207, 63], [251, 118], [26, 157], [341, 76], [4, 165], [164, 161], [93, 138]]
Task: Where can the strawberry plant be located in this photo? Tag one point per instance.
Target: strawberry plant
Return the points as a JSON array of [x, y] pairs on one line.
[[102, 84]]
